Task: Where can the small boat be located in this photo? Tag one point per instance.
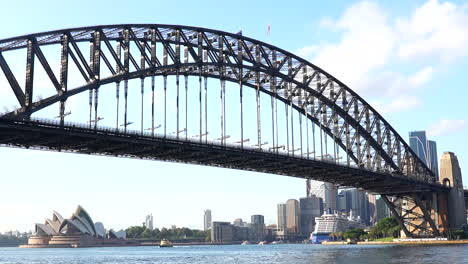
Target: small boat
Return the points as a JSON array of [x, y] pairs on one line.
[[165, 243], [261, 243], [245, 242]]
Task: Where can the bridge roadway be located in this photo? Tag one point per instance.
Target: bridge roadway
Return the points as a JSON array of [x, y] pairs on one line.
[[75, 138]]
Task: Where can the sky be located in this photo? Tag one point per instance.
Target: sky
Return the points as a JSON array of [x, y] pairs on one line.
[[408, 59]]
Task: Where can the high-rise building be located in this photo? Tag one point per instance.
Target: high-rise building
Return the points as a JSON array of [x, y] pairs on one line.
[[381, 209], [238, 222], [221, 232], [293, 217], [327, 191], [207, 219], [341, 202], [356, 202], [310, 207], [257, 227], [418, 142], [281, 216], [433, 158], [372, 208], [425, 149], [149, 221], [240, 233]]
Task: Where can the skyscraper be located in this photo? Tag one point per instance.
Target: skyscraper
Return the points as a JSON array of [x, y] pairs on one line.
[[381, 208], [418, 143], [238, 222], [327, 191], [149, 221], [372, 208], [257, 226], [354, 201], [425, 149], [433, 158], [281, 216], [221, 231], [207, 219], [310, 207], [293, 217]]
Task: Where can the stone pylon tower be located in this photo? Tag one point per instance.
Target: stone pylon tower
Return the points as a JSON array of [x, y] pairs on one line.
[[450, 175]]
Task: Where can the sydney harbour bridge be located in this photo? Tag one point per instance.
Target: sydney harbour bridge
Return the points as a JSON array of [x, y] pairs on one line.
[[202, 96]]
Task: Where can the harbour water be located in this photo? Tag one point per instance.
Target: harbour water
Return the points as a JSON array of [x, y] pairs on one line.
[[272, 254]]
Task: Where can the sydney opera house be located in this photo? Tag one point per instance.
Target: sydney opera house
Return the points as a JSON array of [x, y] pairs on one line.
[[77, 231]]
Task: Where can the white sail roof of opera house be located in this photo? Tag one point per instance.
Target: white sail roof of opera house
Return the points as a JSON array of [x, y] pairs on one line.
[[79, 222]]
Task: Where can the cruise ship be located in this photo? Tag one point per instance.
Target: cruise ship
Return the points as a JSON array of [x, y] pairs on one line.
[[332, 223]]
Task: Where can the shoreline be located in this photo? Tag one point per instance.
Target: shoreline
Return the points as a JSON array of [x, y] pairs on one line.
[[130, 244], [422, 242], [155, 244]]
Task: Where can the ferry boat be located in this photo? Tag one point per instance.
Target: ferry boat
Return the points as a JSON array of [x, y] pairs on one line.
[[165, 243]]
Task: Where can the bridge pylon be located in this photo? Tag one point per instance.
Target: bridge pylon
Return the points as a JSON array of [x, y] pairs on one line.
[[432, 214]]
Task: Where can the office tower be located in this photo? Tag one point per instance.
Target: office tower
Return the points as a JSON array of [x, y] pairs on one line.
[[149, 222], [310, 207], [238, 222], [240, 233], [207, 220], [293, 217], [356, 202], [418, 143], [372, 208], [327, 191], [433, 158], [382, 210], [281, 216], [344, 200], [221, 232], [257, 227], [425, 149]]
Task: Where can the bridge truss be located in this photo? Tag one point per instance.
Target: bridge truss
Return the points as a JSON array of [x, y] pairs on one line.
[[376, 156]]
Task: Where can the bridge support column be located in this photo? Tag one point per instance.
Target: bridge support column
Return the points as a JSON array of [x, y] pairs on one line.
[[415, 213], [454, 200]]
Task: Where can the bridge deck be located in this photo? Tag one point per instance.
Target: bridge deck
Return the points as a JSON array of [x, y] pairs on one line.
[[78, 139]]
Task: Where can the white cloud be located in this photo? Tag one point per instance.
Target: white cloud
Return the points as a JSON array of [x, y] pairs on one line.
[[307, 51], [435, 30], [397, 105], [358, 53], [392, 84], [445, 127], [372, 43], [421, 77]]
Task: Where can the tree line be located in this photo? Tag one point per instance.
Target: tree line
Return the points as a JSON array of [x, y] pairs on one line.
[[387, 227], [184, 233]]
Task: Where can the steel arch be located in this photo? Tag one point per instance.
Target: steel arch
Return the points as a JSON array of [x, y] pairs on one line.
[[340, 112]]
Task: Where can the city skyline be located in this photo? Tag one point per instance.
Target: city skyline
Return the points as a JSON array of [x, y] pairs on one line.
[[182, 191]]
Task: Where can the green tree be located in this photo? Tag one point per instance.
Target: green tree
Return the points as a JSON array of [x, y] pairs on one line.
[[339, 235], [135, 231], [385, 228], [354, 234], [148, 233]]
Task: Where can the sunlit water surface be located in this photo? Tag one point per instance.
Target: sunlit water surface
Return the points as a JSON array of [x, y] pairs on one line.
[[272, 254]]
